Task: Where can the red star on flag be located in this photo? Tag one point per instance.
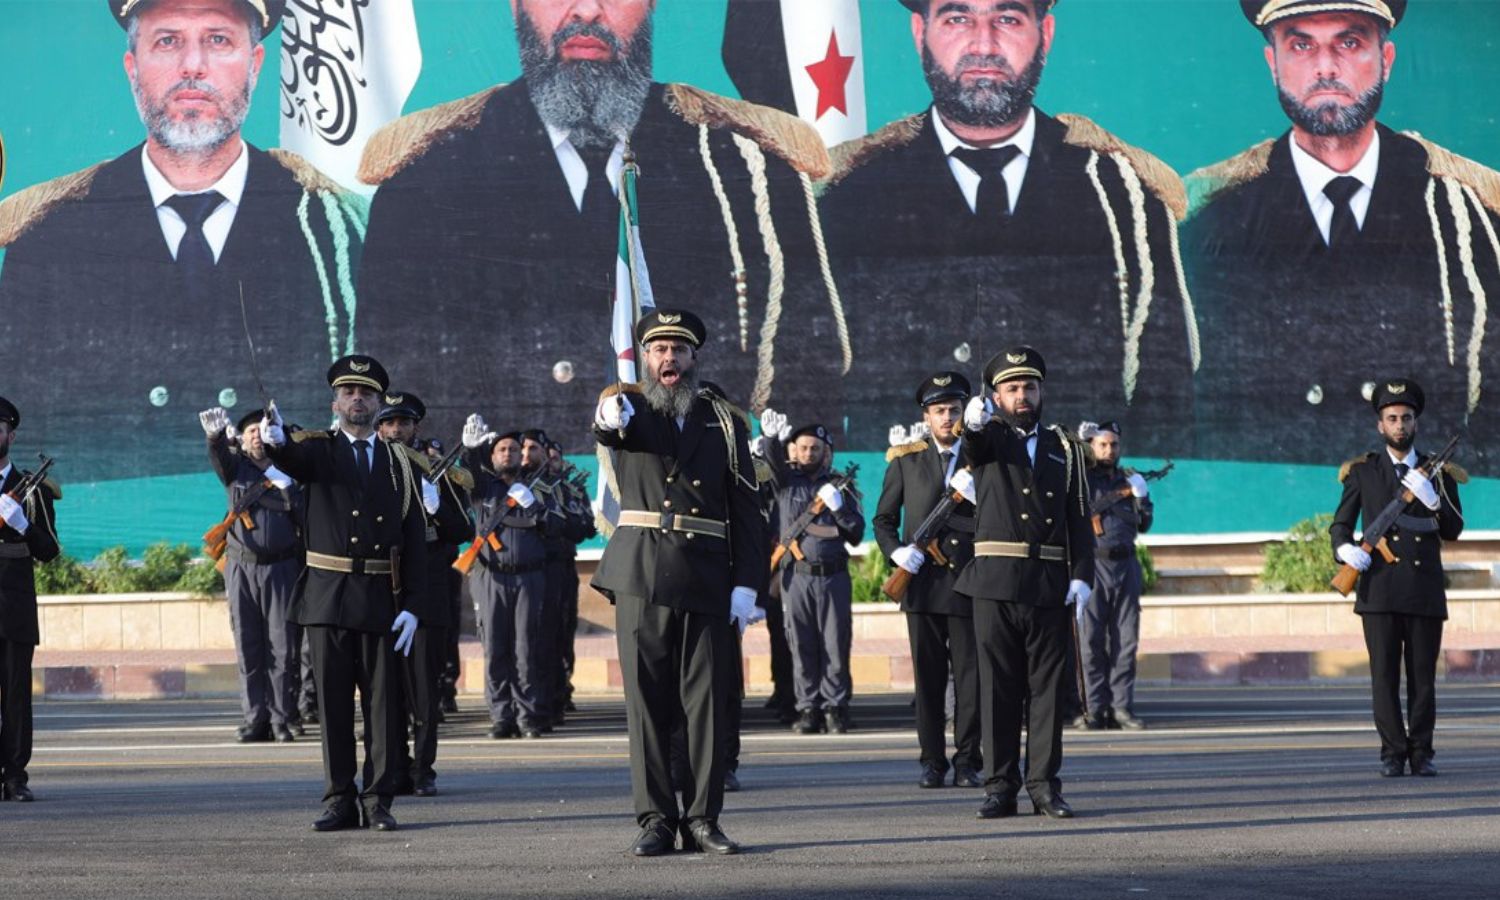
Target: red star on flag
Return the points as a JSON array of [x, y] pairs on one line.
[[831, 75]]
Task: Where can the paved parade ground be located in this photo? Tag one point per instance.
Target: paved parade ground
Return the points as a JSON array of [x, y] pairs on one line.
[[1239, 792]]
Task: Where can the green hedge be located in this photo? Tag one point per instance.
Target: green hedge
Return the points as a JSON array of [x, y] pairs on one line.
[[163, 567], [1303, 563]]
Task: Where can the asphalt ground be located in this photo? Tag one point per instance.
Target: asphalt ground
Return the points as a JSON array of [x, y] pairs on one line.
[[1238, 792]]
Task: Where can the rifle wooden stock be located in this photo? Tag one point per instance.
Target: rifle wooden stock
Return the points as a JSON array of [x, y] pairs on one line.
[[791, 543], [776, 556], [466, 560], [1098, 522], [216, 551], [1347, 575], [219, 533], [896, 585]]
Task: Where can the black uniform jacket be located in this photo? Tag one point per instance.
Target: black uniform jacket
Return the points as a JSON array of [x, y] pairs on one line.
[[661, 468], [277, 514], [1040, 506], [346, 520], [1414, 584], [915, 480], [18, 622]]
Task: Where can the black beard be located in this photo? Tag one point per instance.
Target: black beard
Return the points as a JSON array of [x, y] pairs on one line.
[[1401, 445], [673, 401], [988, 102], [358, 419], [597, 103], [1023, 422], [1330, 119]]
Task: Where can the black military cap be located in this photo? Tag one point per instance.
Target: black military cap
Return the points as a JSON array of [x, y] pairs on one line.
[[672, 324], [536, 436], [360, 370], [554, 445], [813, 430], [267, 12], [1110, 426], [1265, 12], [943, 386], [9, 413], [253, 417], [1398, 391], [920, 6], [1017, 362], [405, 404], [517, 436]]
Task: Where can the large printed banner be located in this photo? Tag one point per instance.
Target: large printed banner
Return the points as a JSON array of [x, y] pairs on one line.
[[1223, 224]]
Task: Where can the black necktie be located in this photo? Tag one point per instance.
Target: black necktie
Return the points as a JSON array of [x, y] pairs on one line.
[[1401, 470], [992, 201], [361, 462], [600, 210], [1343, 229], [946, 456], [195, 259]]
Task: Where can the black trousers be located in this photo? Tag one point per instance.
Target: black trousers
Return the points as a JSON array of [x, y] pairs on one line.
[[781, 651], [344, 661], [1394, 639], [940, 643], [421, 674], [675, 665], [567, 631], [15, 710], [266, 643], [1022, 649]]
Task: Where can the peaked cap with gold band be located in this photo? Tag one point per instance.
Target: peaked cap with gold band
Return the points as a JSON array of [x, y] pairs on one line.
[[1017, 362], [1398, 392], [943, 386], [360, 370], [9, 413], [1267, 12], [402, 404], [267, 11], [670, 324]]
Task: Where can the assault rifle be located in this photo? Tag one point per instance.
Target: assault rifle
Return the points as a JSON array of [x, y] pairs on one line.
[[30, 481], [1106, 502], [488, 533], [926, 539], [793, 541]]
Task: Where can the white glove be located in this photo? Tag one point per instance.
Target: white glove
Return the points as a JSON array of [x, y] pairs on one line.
[[1138, 487], [909, 558], [1354, 556], [614, 413], [214, 420], [742, 608], [406, 623], [430, 498], [1421, 488], [13, 514], [963, 482], [1078, 594], [758, 447], [475, 431], [978, 413], [521, 494], [278, 477], [897, 436], [832, 497], [920, 431], [271, 431]]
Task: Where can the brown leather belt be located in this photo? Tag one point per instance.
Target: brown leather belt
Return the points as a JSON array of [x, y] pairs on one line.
[[634, 518], [1018, 550], [348, 565]]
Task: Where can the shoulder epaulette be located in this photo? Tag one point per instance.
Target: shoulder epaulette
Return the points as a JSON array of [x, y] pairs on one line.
[[461, 477], [1156, 175], [901, 450], [850, 155], [619, 387], [1349, 465], [1457, 473], [1444, 163], [1208, 182], [23, 209], [396, 145], [764, 474], [419, 459], [716, 395], [309, 176], [55, 489], [783, 134], [309, 435]]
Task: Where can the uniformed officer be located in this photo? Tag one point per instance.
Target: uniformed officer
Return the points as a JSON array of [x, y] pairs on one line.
[[1110, 631], [446, 503], [28, 531], [578, 518], [1401, 604], [939, 622], [1033, 557], [536, 469], [508, 583], [363, 590], [261, 565], [783, 699], [815, 588], [682, 568]]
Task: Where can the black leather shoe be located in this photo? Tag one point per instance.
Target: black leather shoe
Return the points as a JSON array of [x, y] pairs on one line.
[[1422, 766], [932, 777], [502, 730], [997, 806], [450, 705], [1125, 719], [17, 792], [655, 839], [966, 777], [1078, 723], [299, 727], [531, 732], [839, 721], [310, 715], [380, 818], [337, 817], [283, 734], [425, 787], [810, 721], [1392, 768], [1052, 806], [253, 734], [705, 837], [731, 782], [569, 706]]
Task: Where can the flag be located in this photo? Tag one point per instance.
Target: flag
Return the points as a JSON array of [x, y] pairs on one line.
[[802, 56], [346, 70]]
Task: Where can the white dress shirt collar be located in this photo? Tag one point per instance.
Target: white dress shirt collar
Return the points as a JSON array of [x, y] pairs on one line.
[[968, 180], [1410, 459], [5, 472], [231, 186], [1314, 175], [576, 171]]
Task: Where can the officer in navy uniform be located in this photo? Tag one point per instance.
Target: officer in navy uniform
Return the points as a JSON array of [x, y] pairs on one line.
[[816, 592], [261, 565], [508, 583], [28, 535], [683, 568], [1033, 558], [363, 591], [1109, 633], [1401, 604], [445, 502], [939, 622]]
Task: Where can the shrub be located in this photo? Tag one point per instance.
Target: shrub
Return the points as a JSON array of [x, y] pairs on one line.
[[63, 575], [111, 572], [1148, 568], [867, 573], [163, 565], [201, 577], [1303, 563]]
